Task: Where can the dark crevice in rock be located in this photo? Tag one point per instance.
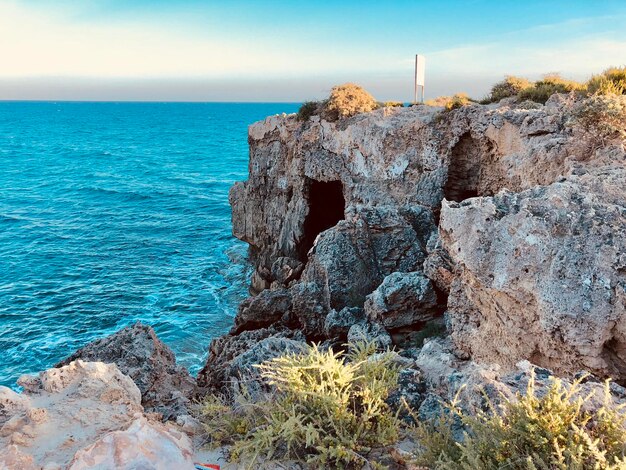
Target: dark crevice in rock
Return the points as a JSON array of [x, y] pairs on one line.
[[464, 170], [326, 208], [613, 354]]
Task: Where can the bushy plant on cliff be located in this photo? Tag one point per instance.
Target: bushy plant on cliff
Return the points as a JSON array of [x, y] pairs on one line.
[[327, 410], [550, 84], [391, 104], [601, 117], [533, 432], [308, 109], [348, 100], [611, 81], [510, 86], [450, 102]]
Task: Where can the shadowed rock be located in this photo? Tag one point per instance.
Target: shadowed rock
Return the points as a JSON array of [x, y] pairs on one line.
[[165, 387]]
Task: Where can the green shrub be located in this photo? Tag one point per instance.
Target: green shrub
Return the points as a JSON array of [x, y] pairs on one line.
[[548, 86], [327, 409], [308, 109], [611, 81], [510, 86], [601, 117], [533, 432], [348, 100]]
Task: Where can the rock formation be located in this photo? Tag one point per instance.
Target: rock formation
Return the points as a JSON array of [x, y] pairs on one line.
[[544, 271], [165, 387], [501, 216], [84, 415], [501, 221]]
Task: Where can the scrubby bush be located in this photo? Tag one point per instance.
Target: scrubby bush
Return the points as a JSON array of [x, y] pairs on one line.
[[348, 100], [548, 86], [391, 104], [510, 86], [308, 109], [611, 81], [602, 117], [450, 102], [459, 100], [327, 409], [549, 431]]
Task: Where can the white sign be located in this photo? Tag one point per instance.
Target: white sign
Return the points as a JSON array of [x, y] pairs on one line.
[[420, 70]]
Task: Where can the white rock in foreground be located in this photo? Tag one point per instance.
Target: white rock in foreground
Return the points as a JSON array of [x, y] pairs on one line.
[[64, 410], [142, 445]]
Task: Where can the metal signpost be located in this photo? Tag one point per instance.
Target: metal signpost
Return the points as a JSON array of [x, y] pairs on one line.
[[420, 72]]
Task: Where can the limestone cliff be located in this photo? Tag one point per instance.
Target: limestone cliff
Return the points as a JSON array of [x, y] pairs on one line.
[[504, 218]]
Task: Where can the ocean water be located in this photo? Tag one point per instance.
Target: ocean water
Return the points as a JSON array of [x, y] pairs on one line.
[[112, 213]]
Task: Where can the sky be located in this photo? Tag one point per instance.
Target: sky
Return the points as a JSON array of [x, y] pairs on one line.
[[245, 50]]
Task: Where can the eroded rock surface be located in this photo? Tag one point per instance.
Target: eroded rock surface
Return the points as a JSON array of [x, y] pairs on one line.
[[165, 387], [143, 444], [542, 274], [334, 211], [63, 410], [403, 300]]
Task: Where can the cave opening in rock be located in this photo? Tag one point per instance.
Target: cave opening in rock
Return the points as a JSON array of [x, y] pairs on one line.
[[326, 208], [463, 170]]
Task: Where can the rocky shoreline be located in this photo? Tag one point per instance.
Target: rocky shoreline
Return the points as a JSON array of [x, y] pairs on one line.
[[479, 243]]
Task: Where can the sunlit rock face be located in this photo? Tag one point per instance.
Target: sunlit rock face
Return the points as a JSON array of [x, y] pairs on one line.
[[84, 415], [542, 274], [142, 444]]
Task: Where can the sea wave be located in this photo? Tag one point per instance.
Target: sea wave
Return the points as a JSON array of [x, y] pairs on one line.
[[113, 213]]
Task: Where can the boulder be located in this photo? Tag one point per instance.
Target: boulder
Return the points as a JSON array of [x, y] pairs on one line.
[[402, 300], [337, 324], [262, 310], [231, 357], [165, 387], [369, 333]]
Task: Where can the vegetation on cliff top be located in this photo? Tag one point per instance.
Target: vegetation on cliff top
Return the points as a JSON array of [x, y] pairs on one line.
[[601, 117], [345, 101], [349, 99], [451, 102]]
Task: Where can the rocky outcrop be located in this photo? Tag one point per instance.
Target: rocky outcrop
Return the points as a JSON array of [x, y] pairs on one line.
[[391, 166], [436, 376], [385, 220], [231, 357], [63, 411], [165, 387], [544, 272]]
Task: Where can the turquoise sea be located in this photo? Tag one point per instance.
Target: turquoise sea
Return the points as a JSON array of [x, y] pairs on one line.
[[112, 213]]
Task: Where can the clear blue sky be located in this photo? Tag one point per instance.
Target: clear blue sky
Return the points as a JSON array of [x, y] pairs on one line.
[[291, 51]]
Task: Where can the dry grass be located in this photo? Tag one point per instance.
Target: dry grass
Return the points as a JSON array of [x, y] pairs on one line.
[[348, 100], [509, 87], [550, 84], [611, 81], [450, 102]]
